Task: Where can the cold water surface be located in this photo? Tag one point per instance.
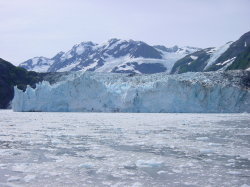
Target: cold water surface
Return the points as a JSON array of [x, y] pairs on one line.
[[124, 149]]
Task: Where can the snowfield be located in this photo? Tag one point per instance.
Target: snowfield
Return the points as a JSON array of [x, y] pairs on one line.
[[106, 92], [124, 149]]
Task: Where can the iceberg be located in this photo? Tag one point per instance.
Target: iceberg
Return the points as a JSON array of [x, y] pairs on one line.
[[196, 92]]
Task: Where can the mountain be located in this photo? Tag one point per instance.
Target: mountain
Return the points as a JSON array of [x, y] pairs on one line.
[[129, 56], [232, 55], [11, 76], [114, 92], [242, 61], [115, 55]]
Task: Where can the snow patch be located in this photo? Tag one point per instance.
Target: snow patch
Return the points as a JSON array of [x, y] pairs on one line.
[[193, 57], [226, 64], [218, 52], [80, 49]]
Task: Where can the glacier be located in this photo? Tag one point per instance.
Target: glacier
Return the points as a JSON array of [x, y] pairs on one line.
[[196, 92]]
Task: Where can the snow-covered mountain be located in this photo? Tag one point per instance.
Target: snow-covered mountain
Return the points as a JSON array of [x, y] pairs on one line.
[[232, 55], [200, 60], [129, 56], [114, 92], [115, 55]]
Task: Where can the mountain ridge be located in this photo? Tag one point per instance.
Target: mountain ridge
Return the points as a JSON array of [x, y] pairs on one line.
[[231, 56], [115, 55], [130, 56]]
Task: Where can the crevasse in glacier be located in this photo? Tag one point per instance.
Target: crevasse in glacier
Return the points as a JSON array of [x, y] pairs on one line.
[[106, 92]]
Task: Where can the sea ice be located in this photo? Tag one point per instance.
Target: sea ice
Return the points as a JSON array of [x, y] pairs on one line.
[[105, 149], [149, 163]]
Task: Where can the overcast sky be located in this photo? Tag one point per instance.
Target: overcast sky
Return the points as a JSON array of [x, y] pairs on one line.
[[30, 28]]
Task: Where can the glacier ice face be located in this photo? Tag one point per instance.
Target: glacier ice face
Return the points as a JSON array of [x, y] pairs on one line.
[[107, 92]]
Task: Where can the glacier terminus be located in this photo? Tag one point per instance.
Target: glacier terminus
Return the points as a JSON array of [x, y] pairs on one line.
[[205, 92]]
